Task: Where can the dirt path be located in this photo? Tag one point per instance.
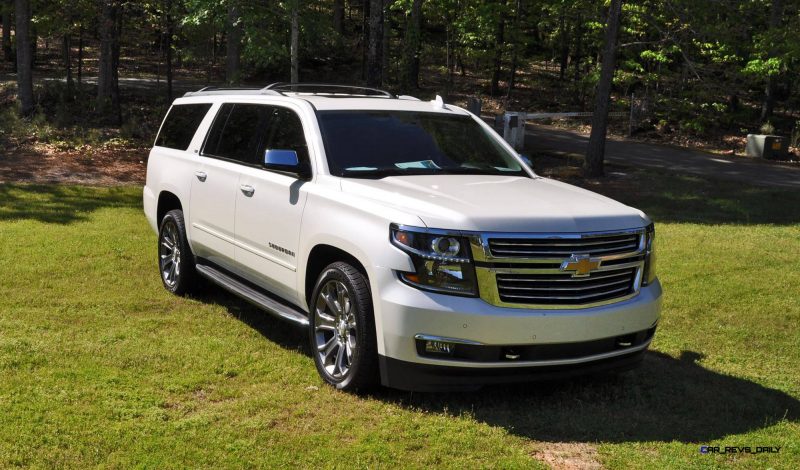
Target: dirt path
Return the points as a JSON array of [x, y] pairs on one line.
[[568, 455], [662, 157], [90, 166]]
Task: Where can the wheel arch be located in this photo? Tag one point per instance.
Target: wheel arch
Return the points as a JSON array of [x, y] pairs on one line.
[[321, 256], [167, 201]]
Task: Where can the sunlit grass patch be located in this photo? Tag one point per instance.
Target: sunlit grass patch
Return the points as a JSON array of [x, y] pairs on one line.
[[100, 366]]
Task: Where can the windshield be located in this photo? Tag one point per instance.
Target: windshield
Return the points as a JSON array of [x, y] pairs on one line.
[[375, 144]]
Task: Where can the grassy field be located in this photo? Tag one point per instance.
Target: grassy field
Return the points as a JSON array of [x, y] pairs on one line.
[[99, 366]]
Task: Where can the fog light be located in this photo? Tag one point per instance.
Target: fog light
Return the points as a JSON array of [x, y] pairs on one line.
[[439, 347]]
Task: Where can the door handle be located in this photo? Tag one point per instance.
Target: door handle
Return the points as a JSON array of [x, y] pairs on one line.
[[247, 190], [201, 175]]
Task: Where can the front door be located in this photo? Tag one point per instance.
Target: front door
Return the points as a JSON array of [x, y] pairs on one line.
[[269, 209]]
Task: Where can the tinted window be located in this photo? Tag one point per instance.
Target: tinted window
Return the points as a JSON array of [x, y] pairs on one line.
[[384, 143], [180, 125], [285, 132], [237, 131]]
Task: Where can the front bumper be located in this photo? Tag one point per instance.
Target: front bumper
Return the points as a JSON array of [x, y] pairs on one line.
[[417, 377], [406, 313]]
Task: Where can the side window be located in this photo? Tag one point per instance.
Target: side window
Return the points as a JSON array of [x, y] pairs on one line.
[[180, 125], [237, 132], [285, 132]]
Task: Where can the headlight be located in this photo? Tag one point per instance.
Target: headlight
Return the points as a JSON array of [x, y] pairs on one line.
[[650, 255], [442, 262]]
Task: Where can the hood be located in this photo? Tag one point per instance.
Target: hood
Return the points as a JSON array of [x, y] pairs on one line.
[[498, 203]]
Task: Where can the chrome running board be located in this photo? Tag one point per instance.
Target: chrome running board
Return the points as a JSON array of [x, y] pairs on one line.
[[252, 295]]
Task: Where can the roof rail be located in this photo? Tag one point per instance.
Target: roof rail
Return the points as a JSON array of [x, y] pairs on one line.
[[208, 90], [320, 89]]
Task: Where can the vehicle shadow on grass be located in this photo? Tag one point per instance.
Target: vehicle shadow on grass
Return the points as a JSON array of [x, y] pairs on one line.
[[666, 399], [287, 335], [61, 204]]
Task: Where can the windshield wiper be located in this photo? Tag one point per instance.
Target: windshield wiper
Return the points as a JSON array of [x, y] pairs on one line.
[[384, 172]]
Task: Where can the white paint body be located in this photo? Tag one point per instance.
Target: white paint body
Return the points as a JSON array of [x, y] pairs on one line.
[[354, 215]]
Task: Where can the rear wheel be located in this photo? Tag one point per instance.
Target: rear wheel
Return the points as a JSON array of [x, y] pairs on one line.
[[342, 329], [175, 258]]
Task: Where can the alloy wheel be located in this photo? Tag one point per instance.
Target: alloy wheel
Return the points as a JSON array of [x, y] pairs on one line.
[[335, 329], [169, 252]]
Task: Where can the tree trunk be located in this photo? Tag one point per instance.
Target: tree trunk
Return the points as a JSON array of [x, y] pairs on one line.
[[515, 45], [234, 46], [595, 152], [385, 41], [769, 92], [80, 54], [108, 66], [67, 55], [170, 30], [364, 37], [413, 42], [294, 51], [338, 17], [24, 63], [33, 41], [564, 45], [578, 49], [448, 33], [375, 44], [499, 43], [8, 54]]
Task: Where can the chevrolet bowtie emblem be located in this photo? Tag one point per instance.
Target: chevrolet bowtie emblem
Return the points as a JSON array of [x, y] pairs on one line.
[[580, 265]]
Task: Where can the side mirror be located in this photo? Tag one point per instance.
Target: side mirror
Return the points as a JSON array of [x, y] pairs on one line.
[[526, 159], [285, 161]]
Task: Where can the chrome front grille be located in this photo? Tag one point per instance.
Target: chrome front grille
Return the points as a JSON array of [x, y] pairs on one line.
[[564, 289], [562, 247], [558, 270]]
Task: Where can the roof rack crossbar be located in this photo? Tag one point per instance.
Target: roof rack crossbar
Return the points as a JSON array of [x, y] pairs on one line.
[[214, 88], [282, 87]]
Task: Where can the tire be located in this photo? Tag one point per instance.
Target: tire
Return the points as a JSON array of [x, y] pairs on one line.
[[176, 263], [342, 329]]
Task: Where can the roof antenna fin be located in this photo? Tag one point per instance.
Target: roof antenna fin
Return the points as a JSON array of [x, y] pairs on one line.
[[438, 103]]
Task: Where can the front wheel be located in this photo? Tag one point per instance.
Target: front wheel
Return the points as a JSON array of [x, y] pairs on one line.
[[342, 329], [175, 258]]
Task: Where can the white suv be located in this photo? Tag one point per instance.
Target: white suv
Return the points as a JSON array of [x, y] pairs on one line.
[[417, 248]]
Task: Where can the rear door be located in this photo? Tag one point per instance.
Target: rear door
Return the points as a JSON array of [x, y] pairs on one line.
[[269, 209], [174, 155], [231, 144]]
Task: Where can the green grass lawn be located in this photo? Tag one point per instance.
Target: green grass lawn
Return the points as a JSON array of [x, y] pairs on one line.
[[99, 366]]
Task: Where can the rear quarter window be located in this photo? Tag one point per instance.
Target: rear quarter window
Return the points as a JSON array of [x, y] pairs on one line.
[[181, 124]]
